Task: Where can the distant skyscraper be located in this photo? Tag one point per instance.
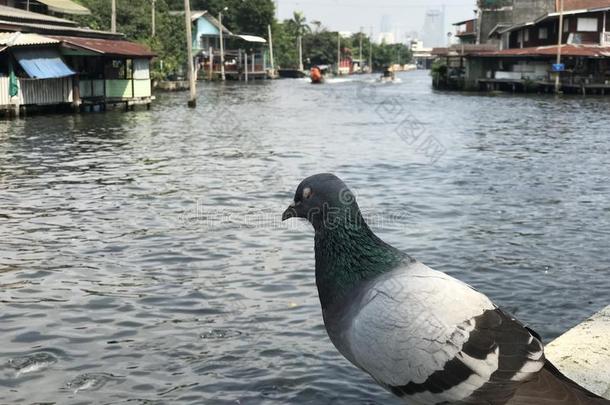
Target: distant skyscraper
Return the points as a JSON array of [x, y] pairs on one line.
[[387, 34], [434, 29], [386, 23]]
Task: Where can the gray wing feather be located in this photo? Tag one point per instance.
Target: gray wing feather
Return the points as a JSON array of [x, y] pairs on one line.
[[413, 324]]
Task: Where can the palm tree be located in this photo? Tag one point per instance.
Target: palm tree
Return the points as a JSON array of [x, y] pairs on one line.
[[299, 25]]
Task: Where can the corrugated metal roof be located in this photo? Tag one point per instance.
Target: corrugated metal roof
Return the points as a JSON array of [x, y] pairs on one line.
[[56, 29], [583, 4], [11, 13], [107, 46], [21, 39], [588, 51], [465, 50], [66, 7]]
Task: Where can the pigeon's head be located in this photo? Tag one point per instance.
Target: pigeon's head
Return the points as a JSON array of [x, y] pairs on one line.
[[323, 199]]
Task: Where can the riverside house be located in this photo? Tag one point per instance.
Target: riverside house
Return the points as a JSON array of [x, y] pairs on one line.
[[521, 56], [47, 61], [245, 56]]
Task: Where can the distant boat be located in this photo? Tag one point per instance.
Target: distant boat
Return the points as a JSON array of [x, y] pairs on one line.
[[388, 76]]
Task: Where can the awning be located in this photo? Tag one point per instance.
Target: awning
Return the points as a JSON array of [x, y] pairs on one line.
[[42, 63], [252, 38], [65, 7]]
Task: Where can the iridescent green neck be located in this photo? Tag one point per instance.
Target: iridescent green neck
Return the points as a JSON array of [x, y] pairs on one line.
[[347, 254]]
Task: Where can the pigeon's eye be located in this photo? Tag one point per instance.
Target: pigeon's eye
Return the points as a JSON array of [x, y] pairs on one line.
[[307, 193]]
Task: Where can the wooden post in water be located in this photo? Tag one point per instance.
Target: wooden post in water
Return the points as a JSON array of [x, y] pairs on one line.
[[246, 66], [560, 42], [240, 63], [192, 103], [211, 66], [76, 93], [222, 49]]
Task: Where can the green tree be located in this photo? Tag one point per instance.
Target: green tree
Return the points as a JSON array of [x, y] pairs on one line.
[[299, 27], [321, 48], [389, 54], [286, 53]]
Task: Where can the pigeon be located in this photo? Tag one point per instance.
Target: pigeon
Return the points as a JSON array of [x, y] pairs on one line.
[[421, 334]]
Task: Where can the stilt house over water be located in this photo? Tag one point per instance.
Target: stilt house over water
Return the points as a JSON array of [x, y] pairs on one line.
[[50, 61], [245, 56], [519, 53]]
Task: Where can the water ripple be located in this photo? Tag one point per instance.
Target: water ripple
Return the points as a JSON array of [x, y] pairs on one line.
[[143, 260]]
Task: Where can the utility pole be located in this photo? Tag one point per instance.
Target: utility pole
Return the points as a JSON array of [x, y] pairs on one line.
[[189, 51], [271, 50], [300, 45], [338, 53], [113, 17], [560, 42], [153, 22], [371, 51], [360, 62], [222, 48]]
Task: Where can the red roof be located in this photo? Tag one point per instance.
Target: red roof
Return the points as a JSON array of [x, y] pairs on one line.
[[583, 4], [591, 51], [108, 46]]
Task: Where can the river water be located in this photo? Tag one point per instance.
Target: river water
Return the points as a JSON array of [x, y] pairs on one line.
[[143, 261]]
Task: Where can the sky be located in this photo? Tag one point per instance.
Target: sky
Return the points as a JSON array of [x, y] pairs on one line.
[[349, 15]]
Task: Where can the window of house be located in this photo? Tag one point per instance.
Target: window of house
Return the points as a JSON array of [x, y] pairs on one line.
[[119, 69], [520, 36], [527, 35], [543, 33], [566, 25], [587, 25]]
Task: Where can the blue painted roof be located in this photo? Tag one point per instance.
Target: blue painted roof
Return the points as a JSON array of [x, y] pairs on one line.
[[42, 63]]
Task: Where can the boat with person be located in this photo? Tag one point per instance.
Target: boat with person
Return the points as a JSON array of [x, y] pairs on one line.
[[388, 75], [318, 73]]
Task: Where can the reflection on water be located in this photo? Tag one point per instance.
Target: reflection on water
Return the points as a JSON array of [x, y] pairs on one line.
[[142, 259]]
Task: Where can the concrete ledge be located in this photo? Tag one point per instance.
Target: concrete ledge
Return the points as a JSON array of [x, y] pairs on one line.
[[583, 353]]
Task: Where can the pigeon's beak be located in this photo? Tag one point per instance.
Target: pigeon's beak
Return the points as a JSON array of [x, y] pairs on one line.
[[290, 212]]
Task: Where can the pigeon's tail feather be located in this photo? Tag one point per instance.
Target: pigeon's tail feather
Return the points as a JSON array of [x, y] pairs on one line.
[[552, 387]]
